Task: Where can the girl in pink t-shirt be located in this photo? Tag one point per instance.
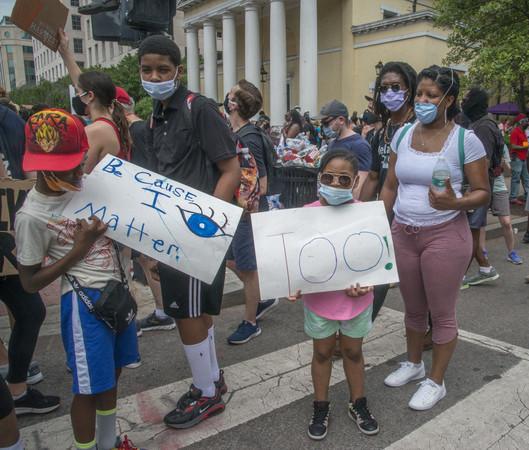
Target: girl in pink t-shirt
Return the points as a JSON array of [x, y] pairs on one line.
[[347, 312]]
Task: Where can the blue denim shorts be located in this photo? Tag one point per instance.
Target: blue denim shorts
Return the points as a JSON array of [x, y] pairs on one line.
[[242, 249]]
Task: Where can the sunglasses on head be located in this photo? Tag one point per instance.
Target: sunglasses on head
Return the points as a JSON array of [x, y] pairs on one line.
[[394, 87], [344, 181]]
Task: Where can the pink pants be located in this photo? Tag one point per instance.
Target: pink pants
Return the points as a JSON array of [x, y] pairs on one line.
[[431, 262]]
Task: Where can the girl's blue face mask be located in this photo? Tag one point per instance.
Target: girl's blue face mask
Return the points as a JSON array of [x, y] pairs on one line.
[[335, 196]]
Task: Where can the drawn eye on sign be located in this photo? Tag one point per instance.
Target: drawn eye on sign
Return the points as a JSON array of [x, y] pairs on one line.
[[159, 217], [201, 225]]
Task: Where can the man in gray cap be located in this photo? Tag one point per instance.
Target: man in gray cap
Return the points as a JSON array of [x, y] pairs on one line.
[[335, 122]]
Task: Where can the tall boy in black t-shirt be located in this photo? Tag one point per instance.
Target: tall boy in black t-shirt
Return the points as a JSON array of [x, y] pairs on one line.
[[189, 143]]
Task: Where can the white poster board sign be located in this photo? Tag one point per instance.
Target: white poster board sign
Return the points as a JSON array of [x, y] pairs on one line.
[[168, 221], [319, 249]]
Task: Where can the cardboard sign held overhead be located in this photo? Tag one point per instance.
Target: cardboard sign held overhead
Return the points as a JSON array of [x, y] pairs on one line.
[[42, 19], [12, 196]]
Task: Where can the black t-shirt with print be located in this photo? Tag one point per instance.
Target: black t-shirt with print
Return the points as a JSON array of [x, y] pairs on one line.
[[381, 149]]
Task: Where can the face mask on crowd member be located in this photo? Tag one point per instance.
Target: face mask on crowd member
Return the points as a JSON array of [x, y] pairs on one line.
[[393, 96], [78, 105], [333, 119], [160, 90], [427, 112], [160, 67], [230, 105], [338, 177], [475, 104]]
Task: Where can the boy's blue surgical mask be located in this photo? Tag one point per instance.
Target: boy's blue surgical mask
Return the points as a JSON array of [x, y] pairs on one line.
[[161, 90]]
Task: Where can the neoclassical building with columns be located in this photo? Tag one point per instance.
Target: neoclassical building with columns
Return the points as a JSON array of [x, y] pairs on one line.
[[305, 52]]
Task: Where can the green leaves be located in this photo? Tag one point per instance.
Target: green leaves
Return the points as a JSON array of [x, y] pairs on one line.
[[490, 35], [125, 74]]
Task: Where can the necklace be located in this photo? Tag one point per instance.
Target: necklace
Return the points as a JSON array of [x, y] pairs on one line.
[[394, 126], [433, 136]]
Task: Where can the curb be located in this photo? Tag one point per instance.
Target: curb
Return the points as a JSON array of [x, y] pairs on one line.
[[494, 230]]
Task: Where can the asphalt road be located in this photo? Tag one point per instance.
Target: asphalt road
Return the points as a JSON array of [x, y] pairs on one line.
[[494, 318]]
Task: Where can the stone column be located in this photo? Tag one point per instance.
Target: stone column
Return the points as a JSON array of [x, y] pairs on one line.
[[229, 51], [193, 59], [210, 60], [308, 56], [278, 62], [252, 45]]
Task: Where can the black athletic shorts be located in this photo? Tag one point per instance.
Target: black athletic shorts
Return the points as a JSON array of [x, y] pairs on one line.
[[186, 297]]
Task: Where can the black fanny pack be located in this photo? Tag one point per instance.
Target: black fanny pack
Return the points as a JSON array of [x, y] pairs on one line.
[[115, 307]]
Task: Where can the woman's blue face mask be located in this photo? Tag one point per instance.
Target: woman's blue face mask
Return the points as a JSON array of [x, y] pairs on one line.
[[426, 112]]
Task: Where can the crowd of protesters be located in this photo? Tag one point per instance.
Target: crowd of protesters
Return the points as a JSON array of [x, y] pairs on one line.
[[412, 120]]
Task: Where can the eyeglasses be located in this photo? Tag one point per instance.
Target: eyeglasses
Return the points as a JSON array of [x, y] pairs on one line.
[[328, 121], [344, 181], [395, 87]]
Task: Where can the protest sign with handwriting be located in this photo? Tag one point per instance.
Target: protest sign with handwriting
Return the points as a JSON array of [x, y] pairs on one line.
[[322, 249], [161, 218]]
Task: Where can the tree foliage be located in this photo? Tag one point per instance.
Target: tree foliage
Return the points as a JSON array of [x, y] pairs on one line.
[[490, 35]]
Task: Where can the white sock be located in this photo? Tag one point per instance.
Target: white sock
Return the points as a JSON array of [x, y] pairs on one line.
[[19, 396], [19, 445], [198, 357], [160, 313], [213, 354], [106, 429], [485, 269]]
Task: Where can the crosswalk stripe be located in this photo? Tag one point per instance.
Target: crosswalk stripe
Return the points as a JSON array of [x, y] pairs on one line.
[[261, 385], [257, 386], [494, 417]]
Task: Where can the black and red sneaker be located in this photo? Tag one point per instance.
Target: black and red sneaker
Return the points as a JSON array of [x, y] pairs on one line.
[[193, 408], [220, 386]]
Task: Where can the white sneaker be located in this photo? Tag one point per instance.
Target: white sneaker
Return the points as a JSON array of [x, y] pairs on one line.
[[428, 394], [407, 372]]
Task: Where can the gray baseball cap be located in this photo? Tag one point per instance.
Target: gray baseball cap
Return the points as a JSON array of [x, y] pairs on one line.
[[334, 108]]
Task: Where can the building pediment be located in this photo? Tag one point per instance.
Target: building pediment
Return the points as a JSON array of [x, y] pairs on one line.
[[393, 22]]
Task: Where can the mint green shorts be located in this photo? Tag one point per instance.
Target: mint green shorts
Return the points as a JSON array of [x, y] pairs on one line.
[[318, 327]]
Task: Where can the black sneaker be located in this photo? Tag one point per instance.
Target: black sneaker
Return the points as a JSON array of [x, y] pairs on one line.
[[319, 422], [359, 412], [220, 386], [525, 239], [153, 322], [193, 408], [265, 306], [34, 402]]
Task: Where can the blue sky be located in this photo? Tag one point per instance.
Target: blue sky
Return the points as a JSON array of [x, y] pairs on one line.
[[6, 6]]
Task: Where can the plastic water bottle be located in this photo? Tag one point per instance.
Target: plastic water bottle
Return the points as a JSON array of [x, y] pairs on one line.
[[441, 172]]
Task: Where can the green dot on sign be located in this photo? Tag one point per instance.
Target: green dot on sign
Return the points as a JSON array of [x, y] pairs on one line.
[[389, 266]]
